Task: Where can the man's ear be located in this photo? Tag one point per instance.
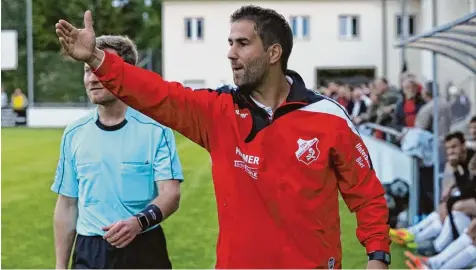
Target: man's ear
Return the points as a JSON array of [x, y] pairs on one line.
[[275, 51]]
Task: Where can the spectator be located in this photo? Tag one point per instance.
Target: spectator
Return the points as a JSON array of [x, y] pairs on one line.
[[371, 113], [332, 90], [457, 154], [344, 96], [4, 98], [419, 235], [357, 105], [19, 105], [387, 101], [471, 143], [387, 96], [366, 90], [424, 117], [460, 253], [408, 107]]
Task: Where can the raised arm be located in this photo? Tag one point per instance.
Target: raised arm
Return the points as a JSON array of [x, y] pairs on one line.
[[171, 104], [183, 109]]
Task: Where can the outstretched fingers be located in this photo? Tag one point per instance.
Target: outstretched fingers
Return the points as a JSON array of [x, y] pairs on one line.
[[62, 28], [66, 25], [61, 33]]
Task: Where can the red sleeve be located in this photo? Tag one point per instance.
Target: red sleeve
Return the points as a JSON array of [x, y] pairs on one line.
[[361, 190], [169, 103]]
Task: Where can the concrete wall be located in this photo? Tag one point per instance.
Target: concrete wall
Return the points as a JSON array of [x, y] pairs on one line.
[[54, 117]]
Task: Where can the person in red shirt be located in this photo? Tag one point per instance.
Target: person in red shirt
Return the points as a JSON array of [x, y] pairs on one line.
[[408, 107], [280, 152]]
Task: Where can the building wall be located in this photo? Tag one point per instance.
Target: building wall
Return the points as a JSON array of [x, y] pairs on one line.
[[192, 61], [394, 58]]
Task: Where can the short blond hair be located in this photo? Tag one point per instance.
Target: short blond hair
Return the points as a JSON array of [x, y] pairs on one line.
[[123, 45]]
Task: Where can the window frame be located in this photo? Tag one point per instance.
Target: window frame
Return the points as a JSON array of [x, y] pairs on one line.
[[296, 22], [411, 17], [349, 27], [192, 27]]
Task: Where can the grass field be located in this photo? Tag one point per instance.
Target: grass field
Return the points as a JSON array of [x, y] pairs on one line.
[[29, 158]]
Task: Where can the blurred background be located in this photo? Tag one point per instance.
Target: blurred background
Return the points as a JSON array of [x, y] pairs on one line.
[[386, 62]]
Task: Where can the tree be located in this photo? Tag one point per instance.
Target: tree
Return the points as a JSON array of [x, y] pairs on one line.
[[56, 78]]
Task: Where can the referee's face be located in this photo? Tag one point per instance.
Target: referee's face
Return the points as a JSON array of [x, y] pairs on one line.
[[96, 92]]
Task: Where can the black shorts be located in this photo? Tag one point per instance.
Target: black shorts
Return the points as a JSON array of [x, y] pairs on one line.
[[147, 251]]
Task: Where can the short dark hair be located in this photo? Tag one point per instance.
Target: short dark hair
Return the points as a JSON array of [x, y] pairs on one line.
[[473, 119], [123, 45], [455, 135], [271, 27]]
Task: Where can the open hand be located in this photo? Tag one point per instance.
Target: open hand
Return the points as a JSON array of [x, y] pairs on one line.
[[80, 44], [121, 233]]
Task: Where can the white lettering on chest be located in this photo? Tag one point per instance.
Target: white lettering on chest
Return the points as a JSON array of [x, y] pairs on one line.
[[245, 160], [254, 160]]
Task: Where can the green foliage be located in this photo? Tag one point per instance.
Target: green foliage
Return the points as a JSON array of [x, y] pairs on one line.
[[57, 79]]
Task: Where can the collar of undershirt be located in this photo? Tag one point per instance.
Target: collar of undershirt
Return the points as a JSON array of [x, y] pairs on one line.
[[268, 109]]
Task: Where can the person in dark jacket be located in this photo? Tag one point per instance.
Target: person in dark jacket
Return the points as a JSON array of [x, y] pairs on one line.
[[407, 108]]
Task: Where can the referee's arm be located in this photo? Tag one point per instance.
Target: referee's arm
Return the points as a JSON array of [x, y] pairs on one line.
[[66, 213], [168, 175], [66, 210]]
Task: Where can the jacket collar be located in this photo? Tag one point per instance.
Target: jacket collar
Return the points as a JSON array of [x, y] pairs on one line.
[[298, 93]]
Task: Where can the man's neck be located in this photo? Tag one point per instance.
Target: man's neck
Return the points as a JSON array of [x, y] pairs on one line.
[[112, 114], [272, 92]]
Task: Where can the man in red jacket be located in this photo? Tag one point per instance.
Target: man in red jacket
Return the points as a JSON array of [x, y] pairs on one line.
[[280, 153]]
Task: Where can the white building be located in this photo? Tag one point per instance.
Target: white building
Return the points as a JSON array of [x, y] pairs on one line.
[[353, 35]]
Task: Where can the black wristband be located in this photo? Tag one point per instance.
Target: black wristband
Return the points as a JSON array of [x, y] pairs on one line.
[[149, 217], [380, 256]]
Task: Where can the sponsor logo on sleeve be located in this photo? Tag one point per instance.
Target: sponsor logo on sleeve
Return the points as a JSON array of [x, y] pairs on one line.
[[363, 159]]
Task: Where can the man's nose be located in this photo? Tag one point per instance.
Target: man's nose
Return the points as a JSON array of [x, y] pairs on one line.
[[93, 78], [232, 53]]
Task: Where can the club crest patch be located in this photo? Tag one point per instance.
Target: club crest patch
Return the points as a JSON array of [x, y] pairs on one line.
[[307, 151]]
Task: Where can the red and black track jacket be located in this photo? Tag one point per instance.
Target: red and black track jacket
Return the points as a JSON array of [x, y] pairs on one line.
[[276, 181]]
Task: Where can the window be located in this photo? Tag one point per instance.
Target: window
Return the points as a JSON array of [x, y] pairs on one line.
[[411, 25], [349, 26], [194, 28], [300, 26]]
